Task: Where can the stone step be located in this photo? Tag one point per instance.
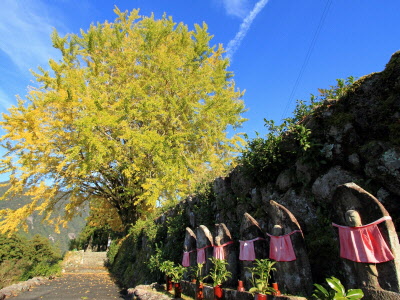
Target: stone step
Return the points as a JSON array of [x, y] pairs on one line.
[[85, 262]]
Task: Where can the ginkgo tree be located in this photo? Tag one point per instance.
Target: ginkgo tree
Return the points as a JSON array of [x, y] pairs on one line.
[[136, 111]]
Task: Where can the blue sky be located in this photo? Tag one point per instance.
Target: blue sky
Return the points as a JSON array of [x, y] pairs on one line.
[[273, 44]]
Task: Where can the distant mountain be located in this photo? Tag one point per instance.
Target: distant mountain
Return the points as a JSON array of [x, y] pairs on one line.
[[36, 226]]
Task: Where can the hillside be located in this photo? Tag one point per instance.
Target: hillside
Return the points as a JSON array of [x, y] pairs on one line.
[[36, 226]]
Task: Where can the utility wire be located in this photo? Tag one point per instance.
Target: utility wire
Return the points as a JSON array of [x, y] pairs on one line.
[[307, 58]]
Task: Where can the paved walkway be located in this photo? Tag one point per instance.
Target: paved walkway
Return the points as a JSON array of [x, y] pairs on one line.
[[89, 286], [85, 278]]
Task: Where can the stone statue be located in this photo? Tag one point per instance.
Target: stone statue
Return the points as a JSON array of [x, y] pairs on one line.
[[205, 247], [287, 247], [253, 245], [224, 248], [189, 248], [364, 224]]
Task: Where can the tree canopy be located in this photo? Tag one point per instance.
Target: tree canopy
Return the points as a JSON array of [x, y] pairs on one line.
[[136, 111]]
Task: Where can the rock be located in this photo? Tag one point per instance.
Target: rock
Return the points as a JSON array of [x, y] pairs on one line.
[[386, 170], [300, 206], [354, 161], [325, 185], [285, 180]]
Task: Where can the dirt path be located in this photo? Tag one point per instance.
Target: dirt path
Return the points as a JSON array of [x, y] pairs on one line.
[[89, 286]]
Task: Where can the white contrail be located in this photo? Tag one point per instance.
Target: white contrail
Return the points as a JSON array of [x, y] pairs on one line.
[[234, 44]]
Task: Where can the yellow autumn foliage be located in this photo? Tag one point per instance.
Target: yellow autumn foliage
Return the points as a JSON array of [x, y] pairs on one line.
[[136, 112]]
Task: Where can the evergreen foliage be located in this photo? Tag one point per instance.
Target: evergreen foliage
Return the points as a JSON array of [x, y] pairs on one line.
[[21, 259]]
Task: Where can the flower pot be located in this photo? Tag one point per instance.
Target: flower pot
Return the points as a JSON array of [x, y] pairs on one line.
[[218, 292], [262, 297], [169, 284], [275, 286], [240, 287], [193, 280], [178, 290], [199, 291]]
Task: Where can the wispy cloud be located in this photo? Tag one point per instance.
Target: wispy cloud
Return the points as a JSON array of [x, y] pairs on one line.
[[5, 101], [234, 44], [25, 28], [237, 8]]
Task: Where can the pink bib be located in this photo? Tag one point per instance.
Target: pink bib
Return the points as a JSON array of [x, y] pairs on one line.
[[219, 251], [364, 243], [186, 258], [281, 248], [247, 249], [201, 255]]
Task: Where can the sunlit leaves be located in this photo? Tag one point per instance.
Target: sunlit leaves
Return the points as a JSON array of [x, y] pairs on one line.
[[135, 112]]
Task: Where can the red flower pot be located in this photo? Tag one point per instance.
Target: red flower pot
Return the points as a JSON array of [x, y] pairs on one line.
[[178, 290], [199, 291], [218, 292], [169, 283], [240, 287], [261, 297], [275, 286]]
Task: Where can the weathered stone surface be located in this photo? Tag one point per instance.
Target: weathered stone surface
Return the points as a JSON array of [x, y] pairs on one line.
[[386, 169], [350, 198], [285, 179], [17, 288], [250, 229], [205, 239], [189, 245], [326, 184], [145, 292], [371, 294], [299, 206], [240, 184], [221, 237], [293, 277]]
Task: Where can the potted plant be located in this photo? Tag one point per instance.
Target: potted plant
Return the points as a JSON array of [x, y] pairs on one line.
[[177, 275], [167, 268], [218, 274], [338, 291], [198, 275], [260, 275]]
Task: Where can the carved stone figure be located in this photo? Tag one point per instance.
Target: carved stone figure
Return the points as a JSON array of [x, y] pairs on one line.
[[204, 246], [189, 248], [287, 247], [251, 237], [364, 221], [224, 248]]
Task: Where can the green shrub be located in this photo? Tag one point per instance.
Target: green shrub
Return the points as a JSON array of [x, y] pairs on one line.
[[337, 292]]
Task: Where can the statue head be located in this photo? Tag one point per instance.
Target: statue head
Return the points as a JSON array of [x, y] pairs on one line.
[[353, 218], [277, 230]]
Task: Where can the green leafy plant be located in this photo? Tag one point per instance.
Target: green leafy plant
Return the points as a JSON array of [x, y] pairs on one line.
[[260, 275], [218, 272], [338, 291], [197, 273], [167, 267], [264, 158], [177, 273]]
